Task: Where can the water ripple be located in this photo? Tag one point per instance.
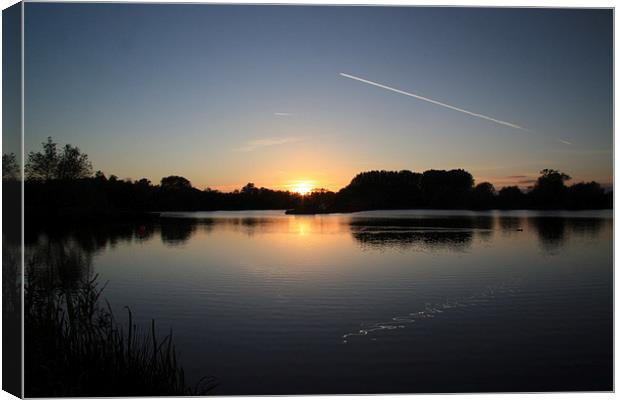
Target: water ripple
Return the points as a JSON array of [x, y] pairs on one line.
[[432, 310]]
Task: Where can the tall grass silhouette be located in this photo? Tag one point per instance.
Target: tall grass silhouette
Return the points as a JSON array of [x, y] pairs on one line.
[[75, 347]]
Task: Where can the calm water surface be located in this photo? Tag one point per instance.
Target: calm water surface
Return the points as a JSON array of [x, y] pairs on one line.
[[394, 301]]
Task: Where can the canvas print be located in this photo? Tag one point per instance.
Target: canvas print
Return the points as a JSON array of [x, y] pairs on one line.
[[204, 199]]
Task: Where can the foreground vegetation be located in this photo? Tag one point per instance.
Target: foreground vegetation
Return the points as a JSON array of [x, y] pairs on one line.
[[61, 183], [75, 347]]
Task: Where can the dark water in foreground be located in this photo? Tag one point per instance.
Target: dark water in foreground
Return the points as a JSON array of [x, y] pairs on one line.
[[409, 301]]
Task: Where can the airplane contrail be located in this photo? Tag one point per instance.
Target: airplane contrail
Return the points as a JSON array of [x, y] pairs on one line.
[[497, 121]]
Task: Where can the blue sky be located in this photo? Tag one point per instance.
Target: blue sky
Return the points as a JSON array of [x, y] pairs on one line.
[[224, 95]]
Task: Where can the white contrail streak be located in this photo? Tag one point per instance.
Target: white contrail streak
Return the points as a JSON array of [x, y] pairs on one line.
[[497, 121], [565, 141]]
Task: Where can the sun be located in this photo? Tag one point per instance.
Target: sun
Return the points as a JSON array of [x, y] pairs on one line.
[[302, 187]]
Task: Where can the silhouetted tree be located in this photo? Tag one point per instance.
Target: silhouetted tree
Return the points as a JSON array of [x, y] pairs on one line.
[[447, 189], [10, 169], [174, 182], [381, 189], [549, 190], [585, 195], [483, 196], [317, 201], [49, 164], [143, 193], [511, 197], [43, 165], [100, 176], [249, 189], [73, 164]]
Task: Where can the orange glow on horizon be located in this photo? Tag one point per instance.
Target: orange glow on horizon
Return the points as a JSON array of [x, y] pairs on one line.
[[301, 187]]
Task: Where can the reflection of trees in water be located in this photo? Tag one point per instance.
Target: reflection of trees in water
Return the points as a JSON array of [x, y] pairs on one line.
[[12, 321], [510, 224], [64, 241], [457, 233], [587, 227], [61, 254], [175, 232], [483, 226], [553, 232], [11, 279], [454, 233], [58, 263], [93, 237], [431, 240], [90, 237], [249, 226]]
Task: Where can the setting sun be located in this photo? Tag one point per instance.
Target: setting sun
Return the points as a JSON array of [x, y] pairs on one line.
[[302, 187]]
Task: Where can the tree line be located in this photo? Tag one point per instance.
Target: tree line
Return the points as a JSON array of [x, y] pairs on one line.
[[62, 180], [456, 189]]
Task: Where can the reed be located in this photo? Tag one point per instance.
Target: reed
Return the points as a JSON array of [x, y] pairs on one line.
[[75, 347]]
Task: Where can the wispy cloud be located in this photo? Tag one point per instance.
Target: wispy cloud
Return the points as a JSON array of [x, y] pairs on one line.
[[266, 142], [565, 142], [282, 114], [473, 114]]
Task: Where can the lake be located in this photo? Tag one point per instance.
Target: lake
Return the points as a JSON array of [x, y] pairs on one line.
[[372, 302]]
